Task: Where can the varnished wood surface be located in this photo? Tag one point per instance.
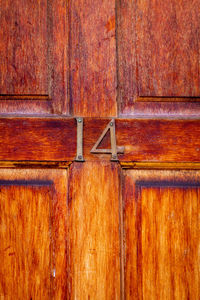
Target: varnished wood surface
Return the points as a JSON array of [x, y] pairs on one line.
[[157, 46], [155, 140], [49, 140], [34, 57], [167, 54], [93, 228], [25, 242], [93, 58], [33, 234], [49, 50], [38, 139], [126, 55], [62, 234], [161, 234]]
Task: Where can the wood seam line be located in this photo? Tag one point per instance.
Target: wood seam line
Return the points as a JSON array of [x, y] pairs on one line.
[[121, 233]]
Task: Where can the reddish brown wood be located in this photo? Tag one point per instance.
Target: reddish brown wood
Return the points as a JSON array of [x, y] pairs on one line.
[[158, 57], [161, 234], [168, 48], [93, 228], [159, 140], [61, 57], [33, 51], [33, 233], [38, 139], [144, 140], [93, 58], [126, 55]]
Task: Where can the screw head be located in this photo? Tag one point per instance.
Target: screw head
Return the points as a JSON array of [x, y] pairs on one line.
[[79, 120], [111, 123], [80, 157], [114, 156]]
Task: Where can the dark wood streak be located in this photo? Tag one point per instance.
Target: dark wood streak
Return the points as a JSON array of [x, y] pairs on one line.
[[167, 99], [25, 183], [19, 97]]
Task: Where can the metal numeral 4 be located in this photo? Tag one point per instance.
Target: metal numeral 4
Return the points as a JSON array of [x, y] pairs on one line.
[[114, 148]]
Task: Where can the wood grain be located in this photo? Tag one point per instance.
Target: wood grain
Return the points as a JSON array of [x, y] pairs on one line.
[[169, 30], [93, 58], [38, 139], [158, 50], [161, 234], [33, 48], [126, 55], [94, 247], [158, 140], [55, 140], [25, 241], [33, 233]]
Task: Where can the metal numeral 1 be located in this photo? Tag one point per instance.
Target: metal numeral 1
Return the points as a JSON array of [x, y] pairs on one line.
[[79, 153]]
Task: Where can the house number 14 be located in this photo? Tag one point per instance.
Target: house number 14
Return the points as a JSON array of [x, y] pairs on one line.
[[114, 148]]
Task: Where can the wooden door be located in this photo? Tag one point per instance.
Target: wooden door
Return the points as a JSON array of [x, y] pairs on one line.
[[111, 223]]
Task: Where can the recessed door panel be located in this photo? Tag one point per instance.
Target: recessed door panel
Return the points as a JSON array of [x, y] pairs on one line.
[[158, 57], [161, 232], [168, 48], [32, 234], [33, 51]]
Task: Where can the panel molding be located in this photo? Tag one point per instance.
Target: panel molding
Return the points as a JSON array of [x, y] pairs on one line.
[[24, 97], [167, 99], [35, 164], [30, 182], [161, 165]]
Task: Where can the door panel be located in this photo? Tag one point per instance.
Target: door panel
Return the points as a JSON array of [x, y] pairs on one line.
[[158, 50], [168, 49], [33, 51], [161, 234], [33, 234]]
